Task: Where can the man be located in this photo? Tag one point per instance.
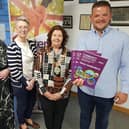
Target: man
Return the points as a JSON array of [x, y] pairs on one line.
[[114, 46]]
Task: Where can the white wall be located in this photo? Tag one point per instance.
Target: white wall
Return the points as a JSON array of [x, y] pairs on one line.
[[75, 9]]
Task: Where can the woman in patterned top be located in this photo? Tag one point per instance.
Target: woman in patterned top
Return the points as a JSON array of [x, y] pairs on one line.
[[55, 71], [6, 100]]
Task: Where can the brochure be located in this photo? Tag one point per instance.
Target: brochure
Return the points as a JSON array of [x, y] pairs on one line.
[[87, 65]]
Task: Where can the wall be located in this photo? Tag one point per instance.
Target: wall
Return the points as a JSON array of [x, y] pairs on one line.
[[75, 9]]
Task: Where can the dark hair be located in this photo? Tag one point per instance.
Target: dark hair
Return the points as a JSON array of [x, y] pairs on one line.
[[100, 4], [65, 36]]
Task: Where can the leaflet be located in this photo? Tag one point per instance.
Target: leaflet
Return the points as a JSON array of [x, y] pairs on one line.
[[87, 65]]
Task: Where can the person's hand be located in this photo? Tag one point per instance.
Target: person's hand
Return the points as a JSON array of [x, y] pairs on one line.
[[51, 96], [78, 82], [57, 96], [29, 87], [120, 98], [4, 74], [32, 81], [30, 84]]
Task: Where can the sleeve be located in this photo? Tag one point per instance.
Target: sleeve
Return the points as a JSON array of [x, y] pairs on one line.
[[15, 65], [124, 67], [3, 55], [68, 83]]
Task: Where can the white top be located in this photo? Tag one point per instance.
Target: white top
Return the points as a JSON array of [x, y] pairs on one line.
[[27, 59]]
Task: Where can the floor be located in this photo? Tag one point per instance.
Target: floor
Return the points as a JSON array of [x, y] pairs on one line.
[[118, 120]]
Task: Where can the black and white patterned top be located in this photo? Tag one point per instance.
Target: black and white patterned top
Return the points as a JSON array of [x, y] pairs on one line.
[[14, 55], [56, 69]]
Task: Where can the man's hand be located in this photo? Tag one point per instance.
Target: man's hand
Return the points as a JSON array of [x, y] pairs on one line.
[[120, 98], [78, 82]]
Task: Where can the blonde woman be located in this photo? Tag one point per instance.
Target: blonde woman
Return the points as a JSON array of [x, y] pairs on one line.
[[21, 54]]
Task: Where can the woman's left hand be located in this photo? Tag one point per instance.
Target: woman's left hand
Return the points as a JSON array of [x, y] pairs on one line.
[[57, 96], [30, 84]]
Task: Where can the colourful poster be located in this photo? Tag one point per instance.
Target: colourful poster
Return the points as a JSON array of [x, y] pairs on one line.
[[42, 15], [4, 22]]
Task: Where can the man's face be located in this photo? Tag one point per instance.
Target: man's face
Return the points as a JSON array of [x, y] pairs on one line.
[[100, 18]]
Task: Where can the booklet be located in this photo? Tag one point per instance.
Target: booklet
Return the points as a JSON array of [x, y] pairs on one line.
[[87, 65]]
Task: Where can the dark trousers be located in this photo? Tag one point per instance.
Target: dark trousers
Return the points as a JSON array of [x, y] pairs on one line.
[[53, 112], [102, 106], [25, 103]]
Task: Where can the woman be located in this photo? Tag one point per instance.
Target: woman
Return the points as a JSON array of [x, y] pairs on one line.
[[55, 74], [6, 100], [20, 60]]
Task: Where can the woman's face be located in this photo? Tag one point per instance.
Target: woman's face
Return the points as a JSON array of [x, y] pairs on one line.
[[22, 29], [56, 38]]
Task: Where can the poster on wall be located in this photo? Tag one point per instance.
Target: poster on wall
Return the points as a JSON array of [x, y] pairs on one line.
[[4, 22], [87, 1], [42, 15]]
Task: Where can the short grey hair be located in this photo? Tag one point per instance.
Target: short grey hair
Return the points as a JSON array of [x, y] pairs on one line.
[[22, 18]]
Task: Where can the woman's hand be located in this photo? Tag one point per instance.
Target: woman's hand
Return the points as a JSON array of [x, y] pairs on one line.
[[30, 84], [4, 74], [53, 97]]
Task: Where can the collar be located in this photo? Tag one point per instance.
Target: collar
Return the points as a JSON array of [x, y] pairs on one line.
[[105, 31]]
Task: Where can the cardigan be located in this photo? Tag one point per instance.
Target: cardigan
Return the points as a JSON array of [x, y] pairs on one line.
[[3, 58], [14, 56]]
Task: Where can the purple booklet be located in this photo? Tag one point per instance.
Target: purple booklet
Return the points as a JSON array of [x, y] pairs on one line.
[[87, 65]]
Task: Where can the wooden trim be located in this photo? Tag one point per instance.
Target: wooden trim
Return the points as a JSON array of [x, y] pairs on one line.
[[73, 93], [121, 109], [115, 107]]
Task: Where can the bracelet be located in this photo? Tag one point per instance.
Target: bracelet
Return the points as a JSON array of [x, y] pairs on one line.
[[42, 89], [62, 91]]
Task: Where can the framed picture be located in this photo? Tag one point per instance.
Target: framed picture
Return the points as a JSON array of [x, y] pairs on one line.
[[87, 1], [119, 0], [84, 22], [120, 16], [67, 21]]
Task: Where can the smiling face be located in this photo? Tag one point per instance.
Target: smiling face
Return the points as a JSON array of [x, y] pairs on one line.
[[22, 29], [56, 39], [100, 18]]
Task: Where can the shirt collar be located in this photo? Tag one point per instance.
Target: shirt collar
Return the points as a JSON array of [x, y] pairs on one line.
[[106, 30]]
